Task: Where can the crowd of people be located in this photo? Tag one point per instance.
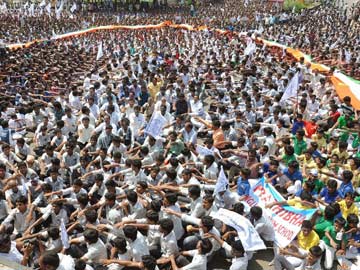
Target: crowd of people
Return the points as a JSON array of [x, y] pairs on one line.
[[86, 184]]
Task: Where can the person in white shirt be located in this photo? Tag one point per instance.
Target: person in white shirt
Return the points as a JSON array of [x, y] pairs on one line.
[[10, 253], [18, 215], [96, 249], [263, 225], [84, 131], [136, 242], [199, 261], [236, 251], [311, 261]]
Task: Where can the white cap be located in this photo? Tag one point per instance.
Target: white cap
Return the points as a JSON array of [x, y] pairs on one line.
[[314, 172]]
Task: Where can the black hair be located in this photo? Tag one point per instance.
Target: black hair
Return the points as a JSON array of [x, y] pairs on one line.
[[91, 215], [152, 216], [239, 208], [306, 224], [353, 219], [207, 222], [80, 265], [130, 232], [50, 258], [132, 196], [166, 224], [316, 251], [256, 212], [171, 197], [120, 244], [341, 221], [206, 245], [195, 191]]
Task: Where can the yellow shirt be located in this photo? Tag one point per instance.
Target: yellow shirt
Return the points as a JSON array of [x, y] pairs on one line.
[[320, 141], [154, 89], [307, 242], [347, 211], [342, 156], [309, 164], [296, 202]]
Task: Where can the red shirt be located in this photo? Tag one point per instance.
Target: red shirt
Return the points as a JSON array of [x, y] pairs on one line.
[[310, 128]]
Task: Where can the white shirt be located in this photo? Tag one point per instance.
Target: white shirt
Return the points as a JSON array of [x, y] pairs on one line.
[[265, 228], [96, 252], [139, 247], [14, 255], [198, 262], [240, 263], [19, 220]]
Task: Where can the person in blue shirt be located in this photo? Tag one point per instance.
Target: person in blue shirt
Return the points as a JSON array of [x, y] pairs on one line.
[[329, 193], [270, 171], [309, 186], [294, 177], [298, 124], [346, 185], [314, 150], [243, 185]]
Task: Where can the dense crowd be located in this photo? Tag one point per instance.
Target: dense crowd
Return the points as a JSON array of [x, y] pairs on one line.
[[79, 153]]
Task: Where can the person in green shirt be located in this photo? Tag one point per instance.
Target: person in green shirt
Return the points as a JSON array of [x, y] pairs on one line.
[[325, 221], [344, 121], [334, 242], [300, 144], [175, 145], [289, 155]]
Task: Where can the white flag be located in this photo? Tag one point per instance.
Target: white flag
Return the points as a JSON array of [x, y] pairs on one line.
[[73, 8], [246, 231], [250, 48], [32, 9], [222, 182], [59, 10], [156, 125], [100, 52], [48, 8], [203, 151], [64, 235], [53, 34], [42, 4], [292, 88]]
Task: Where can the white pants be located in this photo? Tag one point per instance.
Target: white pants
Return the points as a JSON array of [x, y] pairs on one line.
[[351, 253], [295, 261], [329, 254], [295, 187]]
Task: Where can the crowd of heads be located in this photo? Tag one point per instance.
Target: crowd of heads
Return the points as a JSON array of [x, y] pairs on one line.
[[82, 150]]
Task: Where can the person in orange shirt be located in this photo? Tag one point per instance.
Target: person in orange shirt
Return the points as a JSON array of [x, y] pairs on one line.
[[218, 133]]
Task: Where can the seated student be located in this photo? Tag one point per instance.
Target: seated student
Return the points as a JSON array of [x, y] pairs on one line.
[[329, 193], [325, 221], [308, 186], [297, 251], [235, 250], [292, 178], [199, 261], [348, 206], [333, 242], [146, 262], [262, 225], [305, 201], [352, 234], [243, 185], [311, 261]]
